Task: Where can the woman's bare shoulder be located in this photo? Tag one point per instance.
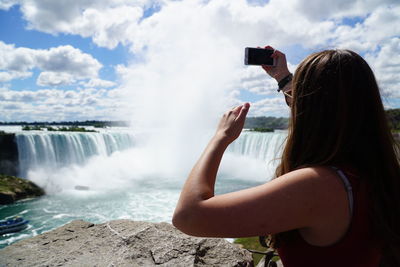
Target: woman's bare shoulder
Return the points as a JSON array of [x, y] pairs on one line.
[[320, 185], [321, 176], [331, 214], [296, 200]]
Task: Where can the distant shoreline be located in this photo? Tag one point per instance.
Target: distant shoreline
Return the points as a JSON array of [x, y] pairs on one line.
[[260, 122], [93, 123]]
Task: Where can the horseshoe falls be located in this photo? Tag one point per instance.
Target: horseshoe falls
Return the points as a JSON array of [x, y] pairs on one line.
[[123, 175], [59, 149], [264, 146]]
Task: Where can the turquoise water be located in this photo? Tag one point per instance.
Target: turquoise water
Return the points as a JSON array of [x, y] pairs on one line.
[[129, 181], [147, 200]]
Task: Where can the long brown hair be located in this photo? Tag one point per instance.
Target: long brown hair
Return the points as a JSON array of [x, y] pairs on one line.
[[337, 118]]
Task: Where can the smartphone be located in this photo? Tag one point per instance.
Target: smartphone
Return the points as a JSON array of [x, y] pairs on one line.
[[258, 56]]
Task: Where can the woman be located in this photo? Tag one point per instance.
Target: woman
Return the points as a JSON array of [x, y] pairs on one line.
[[336, 198]]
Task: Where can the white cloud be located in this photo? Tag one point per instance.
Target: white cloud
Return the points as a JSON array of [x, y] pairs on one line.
[[60, 65], [54, 104], [386, 65], [310, 23], [318, 10], [15, 59], [12, 106], [108, 27], [238, 22], [48, 78], [381, 24], [271, 107], [6, 76], [255, 80], [207, 40], [98, 83], [107, 22], [67, 59], [6, 4], [188, 56], [193, 61]]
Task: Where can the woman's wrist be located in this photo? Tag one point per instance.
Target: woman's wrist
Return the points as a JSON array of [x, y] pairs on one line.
[[279, 76], [284, 82], [220, 140]]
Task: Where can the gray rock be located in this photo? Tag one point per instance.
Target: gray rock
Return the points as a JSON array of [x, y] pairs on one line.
[[122, 243]]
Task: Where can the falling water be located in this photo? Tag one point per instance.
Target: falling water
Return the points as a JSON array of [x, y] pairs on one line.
[[56, 149], [264, 146], [123, 177]]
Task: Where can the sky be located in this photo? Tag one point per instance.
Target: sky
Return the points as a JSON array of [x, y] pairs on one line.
[[110, 59]]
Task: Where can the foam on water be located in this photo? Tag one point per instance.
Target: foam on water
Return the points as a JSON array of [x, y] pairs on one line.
[[133, 183], [55, 150]]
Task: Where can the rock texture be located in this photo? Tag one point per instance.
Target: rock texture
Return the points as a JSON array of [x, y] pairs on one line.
[[122, 243], [8, 154], [13, 188]]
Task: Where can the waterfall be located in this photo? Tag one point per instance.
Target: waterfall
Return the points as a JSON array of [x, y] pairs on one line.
[[53, 150], [264, 146]]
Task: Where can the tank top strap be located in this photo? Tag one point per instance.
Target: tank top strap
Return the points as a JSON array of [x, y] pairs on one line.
[[347, 186], [359, 246]]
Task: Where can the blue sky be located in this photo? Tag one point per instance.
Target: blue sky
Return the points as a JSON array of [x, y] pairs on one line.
[[14, 31], [67, 60]]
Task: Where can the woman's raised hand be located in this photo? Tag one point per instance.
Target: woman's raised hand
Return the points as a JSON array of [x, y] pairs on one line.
[[280, 70], [231, 123]]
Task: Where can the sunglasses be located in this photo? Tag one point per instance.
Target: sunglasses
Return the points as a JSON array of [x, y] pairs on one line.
[[288, 97]]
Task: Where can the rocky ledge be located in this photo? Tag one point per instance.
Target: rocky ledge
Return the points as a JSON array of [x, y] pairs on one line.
[[13, 188], [122, 243]]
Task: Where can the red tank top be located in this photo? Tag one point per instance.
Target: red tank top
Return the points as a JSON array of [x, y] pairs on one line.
[[358, 248]]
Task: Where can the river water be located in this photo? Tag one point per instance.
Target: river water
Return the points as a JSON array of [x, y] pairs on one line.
[[121, 178]]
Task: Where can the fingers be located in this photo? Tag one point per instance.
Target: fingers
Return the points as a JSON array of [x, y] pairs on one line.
[[231, 124], [276, 53], [236, 110], [266, 67], [243, 112]]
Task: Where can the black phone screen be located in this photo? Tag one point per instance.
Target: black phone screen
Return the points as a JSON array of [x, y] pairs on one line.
[[258, 56]]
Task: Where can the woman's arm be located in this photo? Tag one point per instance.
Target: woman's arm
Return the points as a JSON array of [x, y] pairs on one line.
[[200, 184], [280, 70], [302, 199]]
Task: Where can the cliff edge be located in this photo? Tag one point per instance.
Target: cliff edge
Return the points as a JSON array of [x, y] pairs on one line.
[[122, 243]]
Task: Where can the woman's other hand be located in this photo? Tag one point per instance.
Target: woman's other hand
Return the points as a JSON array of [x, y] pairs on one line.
[[231, 124], [280, 70]]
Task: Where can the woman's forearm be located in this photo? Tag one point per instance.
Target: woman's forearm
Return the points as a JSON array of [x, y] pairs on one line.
[[199, 186], [200, 183]]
